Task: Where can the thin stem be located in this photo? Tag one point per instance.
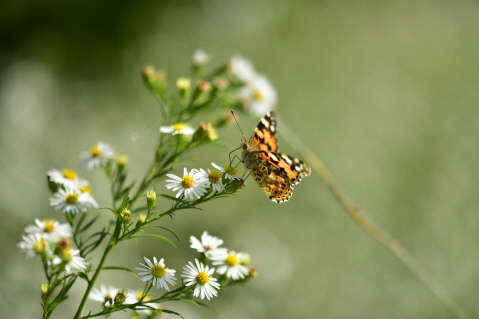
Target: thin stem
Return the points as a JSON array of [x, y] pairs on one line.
[[373, 230], [108, 248]]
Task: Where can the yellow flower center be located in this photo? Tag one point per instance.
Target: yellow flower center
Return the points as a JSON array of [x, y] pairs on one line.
[[66, 256], [71, 199], [69, 174], [49, 225], [139, 294], [178, 127], [158, 271], [230, 170], [40, 246], [85, 189], [214, 176], [187, 181], [232, 260], [95, 151], [202, 278], [257, 95]]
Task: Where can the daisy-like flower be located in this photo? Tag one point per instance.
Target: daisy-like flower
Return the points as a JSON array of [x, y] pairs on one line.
[[35, 245], [241, 68], [192, 184], [72, 201], [232, 263], [213, 178], [70, 260], [177, 128], [258, 95], [230, 172], [209, 245], [98, 155], [67, 177], [200, 57], [51, 229], [157, 272], [105, 295], [201, 276]]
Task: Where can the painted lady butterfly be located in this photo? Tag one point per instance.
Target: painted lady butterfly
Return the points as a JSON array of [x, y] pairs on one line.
[[274, 172]]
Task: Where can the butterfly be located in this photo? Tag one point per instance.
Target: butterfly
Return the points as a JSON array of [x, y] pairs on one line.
[[274, 172]]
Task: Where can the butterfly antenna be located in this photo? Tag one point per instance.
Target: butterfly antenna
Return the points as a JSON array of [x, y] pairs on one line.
[[242, 134]]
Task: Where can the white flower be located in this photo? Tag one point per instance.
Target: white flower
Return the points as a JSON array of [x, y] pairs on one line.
[[201, 276], [98, 155], [241, 68], [70, 260], [72, 201], [213, 179], [67, 177], [193, 184], [208, 245], [50, 229], [230, 172], [258, 95], [157, 271], [232, 263], [105, 295], [178, 128], [35, 245], [200, 57]]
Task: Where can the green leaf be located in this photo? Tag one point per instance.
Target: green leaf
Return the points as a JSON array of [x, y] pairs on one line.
[[171, 312], [155, 226], [154, 236], [87, 225], [120, 268]]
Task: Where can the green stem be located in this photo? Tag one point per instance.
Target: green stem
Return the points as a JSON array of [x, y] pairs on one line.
[[91, 283], [373, 230]]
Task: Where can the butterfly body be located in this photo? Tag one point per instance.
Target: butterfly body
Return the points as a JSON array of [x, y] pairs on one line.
[[274, 172]]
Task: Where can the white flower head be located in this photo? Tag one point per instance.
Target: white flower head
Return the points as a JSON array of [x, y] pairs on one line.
[[105, 295], [213, 179], [50, 229], [35, 245], [98, 155], [242, 68], [230, 172], [200, 57], [70, 260], [177, 128], [67, 177], [201, 276], [158, 272], [72, 201], [209, 245], [193, 184], [258, 95], [232, 263]]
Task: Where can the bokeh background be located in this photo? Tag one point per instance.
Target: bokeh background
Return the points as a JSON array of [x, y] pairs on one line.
[[385, 92]]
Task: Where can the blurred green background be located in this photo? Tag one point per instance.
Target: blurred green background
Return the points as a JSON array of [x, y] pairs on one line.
[[385, 92]]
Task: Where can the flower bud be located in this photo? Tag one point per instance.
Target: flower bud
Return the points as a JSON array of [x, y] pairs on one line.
[[154, 79], [205, 133], [141, 220], [150, 198], [120, 297], [125, 216]]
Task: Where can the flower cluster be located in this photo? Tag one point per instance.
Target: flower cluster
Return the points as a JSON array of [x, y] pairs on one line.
[[197, 276], [233, 85], [51, 241], [71, 194], [196, 183]]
